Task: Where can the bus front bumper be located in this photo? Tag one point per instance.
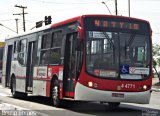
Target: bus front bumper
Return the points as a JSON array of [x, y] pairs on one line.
[[83, 93]]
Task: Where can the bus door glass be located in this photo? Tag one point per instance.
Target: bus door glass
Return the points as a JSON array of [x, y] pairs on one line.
[[30, 64], [70, 65]]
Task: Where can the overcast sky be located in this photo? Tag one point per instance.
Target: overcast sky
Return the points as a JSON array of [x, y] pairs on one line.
[[63, 9]]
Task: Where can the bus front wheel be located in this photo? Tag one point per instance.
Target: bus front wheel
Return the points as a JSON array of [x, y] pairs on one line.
[[55, 94]]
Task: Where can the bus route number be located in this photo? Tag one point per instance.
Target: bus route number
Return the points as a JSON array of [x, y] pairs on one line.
[[128, 86]]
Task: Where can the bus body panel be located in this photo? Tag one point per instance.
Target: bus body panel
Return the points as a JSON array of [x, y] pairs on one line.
[[42, 78], [20, 85], [116, 85], [20, 73], [54, 72], [39, 80], [4, 66], [39, 87], [84, 93]]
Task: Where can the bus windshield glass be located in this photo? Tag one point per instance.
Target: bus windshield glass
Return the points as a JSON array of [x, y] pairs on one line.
[[118, 54]]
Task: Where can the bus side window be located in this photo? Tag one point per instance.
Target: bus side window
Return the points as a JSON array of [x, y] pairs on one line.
[[45, 49], [19, 46], [37, 56], [22, 52], [63, 50], [55, 52], [15, 47], [15, 50]]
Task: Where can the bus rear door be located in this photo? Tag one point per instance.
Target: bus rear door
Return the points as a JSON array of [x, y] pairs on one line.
[[30, 65]]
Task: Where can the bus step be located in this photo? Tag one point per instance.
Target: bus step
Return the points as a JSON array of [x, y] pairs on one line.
[[66, 98], [29, 92]]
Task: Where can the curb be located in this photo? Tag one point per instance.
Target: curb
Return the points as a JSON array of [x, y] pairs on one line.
[[155, 89]]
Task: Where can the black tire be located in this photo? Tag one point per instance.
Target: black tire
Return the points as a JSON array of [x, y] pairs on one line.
[[13, 88], [114, 105], [55, 100]]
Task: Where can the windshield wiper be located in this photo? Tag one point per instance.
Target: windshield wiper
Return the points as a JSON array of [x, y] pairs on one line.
[[131, 39], [109, 40]]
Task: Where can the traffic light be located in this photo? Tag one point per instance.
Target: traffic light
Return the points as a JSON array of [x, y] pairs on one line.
[[46, 20], [39, 24], [49, 19]]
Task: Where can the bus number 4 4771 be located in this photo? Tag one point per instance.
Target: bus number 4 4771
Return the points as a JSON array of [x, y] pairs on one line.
[[128, 86]]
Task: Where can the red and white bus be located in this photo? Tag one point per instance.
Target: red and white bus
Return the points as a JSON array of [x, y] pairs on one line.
[[87, 58]]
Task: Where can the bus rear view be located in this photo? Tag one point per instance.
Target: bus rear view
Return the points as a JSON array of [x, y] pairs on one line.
[[118, 60]]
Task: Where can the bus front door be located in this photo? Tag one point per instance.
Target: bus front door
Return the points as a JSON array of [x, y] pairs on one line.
[[29, 70], [69, 66]]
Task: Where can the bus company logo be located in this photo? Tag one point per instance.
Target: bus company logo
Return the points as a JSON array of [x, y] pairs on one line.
[[138, 70], [132, 69]]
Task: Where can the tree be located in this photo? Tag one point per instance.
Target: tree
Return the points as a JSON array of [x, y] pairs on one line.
[[156, 59], [156, 54]]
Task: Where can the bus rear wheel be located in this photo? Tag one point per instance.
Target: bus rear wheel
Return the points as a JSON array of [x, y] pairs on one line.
[[13, 88], [55, 100]]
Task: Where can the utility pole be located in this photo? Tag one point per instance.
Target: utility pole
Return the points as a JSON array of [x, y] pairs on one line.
[[129, 8], [116, 7], [17, 25], [23, 7]]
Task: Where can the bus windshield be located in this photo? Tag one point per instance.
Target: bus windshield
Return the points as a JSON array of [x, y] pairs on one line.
[[107, 52]]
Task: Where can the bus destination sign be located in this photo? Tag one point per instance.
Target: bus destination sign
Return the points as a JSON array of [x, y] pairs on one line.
[[115, 24]]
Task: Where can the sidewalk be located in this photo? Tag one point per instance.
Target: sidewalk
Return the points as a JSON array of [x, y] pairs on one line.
[[155, 84]]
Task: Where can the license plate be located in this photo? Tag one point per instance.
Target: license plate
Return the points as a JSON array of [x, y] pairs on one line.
[[118, 95]]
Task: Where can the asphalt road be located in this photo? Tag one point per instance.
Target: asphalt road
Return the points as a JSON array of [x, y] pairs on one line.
[[40, 106]]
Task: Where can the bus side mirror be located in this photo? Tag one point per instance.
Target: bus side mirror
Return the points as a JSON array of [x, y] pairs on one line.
[[80, 31]]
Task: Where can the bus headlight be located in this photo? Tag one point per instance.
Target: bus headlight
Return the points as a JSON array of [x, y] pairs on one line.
[[144, 87], [90, 84]]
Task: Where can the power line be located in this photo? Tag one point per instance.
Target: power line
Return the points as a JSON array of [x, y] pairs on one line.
[[7, 28], [49, 2], [5, 13], [6, 20]]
